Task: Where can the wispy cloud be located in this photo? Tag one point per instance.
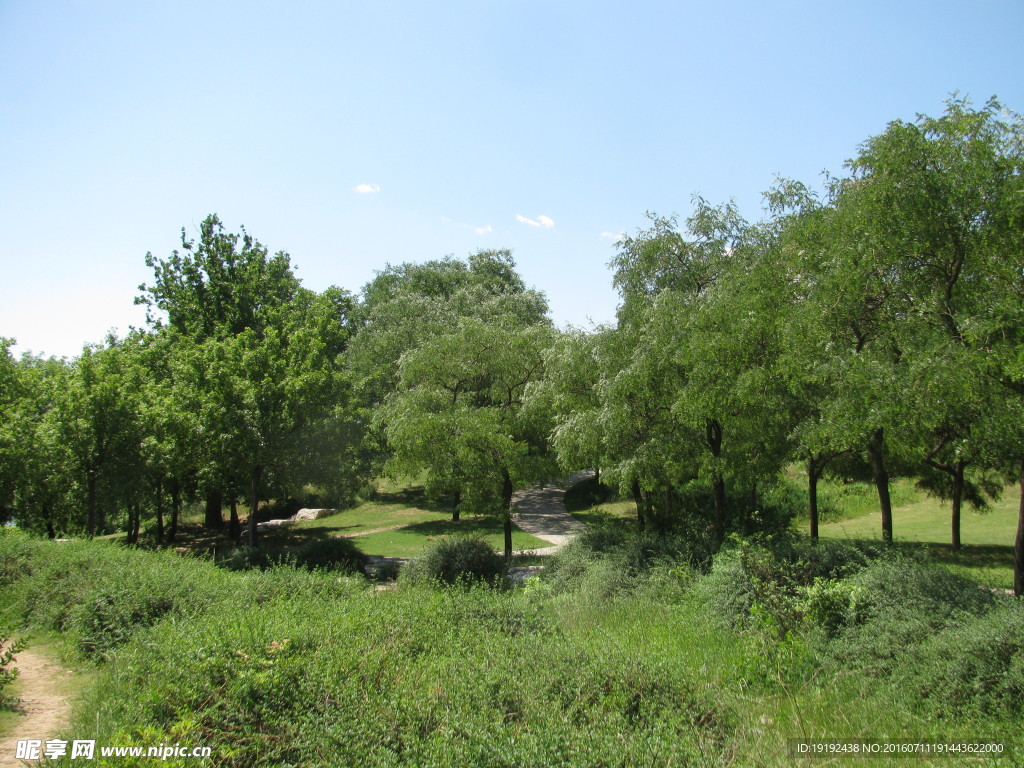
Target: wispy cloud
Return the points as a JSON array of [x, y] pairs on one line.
[[540, 221], [366, 189], [613, 236], [484, 230]]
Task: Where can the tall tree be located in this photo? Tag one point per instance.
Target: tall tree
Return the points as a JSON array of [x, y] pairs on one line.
[[459, 413], [258, 364]]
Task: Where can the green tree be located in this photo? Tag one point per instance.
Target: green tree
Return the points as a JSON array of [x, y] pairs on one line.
[[257, 367], [459, 414], [408, 304]]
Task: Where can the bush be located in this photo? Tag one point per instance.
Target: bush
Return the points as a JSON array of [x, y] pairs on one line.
[[16, 551], [8, 672], [587, 493], [99, 594], [974, 668], [335, 554], [454, 559], [792, 579], [902, 604], [613, 557]]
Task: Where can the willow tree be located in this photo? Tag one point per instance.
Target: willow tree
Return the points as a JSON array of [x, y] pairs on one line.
[[458, 413]]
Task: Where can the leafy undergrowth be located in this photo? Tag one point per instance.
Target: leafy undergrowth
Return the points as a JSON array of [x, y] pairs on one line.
[[633, 651]]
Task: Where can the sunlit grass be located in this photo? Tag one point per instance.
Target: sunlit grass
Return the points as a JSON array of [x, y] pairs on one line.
[[986, 537]]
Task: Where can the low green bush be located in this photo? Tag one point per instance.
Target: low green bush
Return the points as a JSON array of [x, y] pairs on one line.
[[17, 550], [455, 559], [333, 554], [976, 667], [903, 603], [99, 594]]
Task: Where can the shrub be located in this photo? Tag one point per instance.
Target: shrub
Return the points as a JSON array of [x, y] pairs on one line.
[[456, 558], [335, 554], [976, 667], [16, 552], [792, 581], [8, 672], [443, 678], [902, 604], [587, 493]]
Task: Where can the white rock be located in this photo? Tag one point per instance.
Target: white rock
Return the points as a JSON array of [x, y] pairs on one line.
[[313, 514]]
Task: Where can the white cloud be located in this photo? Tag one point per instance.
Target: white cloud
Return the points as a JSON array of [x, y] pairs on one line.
[[446, 220], [542, 221], [613, 236], [481, 230], [366, 189]]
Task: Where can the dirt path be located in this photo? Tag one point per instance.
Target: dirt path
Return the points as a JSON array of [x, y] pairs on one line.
[[357, 534], [541, 512], [43, 703]]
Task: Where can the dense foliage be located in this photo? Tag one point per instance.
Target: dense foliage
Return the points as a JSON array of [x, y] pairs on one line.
[[598, 665]]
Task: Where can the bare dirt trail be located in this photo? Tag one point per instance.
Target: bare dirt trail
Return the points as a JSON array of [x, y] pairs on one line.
[[43, 703]]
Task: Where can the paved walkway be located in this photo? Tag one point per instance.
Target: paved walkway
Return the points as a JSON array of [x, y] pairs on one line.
[[541, 512]]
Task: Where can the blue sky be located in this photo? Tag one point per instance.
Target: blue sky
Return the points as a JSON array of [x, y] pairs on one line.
[[544, 127]]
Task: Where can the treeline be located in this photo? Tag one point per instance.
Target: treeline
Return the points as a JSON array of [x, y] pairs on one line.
[[870, 330]]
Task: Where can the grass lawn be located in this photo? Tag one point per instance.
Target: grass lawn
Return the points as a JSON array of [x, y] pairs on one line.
[[413, 539], [402, 522], [592, 503], [987, 538]]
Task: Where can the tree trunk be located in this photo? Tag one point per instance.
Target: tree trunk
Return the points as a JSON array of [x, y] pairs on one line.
[[235, 526], [958, 495], [90, 504], [134, 522], [51, 532], [718, 493], [1018, 544], [714, 440], [214, 514], [172, 529], [456, 504], [881, 478], [160, 512], [506, 505], [638, 496], [812, 496], [254, 502]]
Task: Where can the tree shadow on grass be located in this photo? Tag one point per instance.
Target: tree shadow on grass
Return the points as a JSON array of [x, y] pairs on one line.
[[969, 556], [481, 525], [416, 496]]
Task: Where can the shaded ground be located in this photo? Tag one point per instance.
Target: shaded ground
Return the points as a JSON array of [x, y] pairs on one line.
[[43, 703]]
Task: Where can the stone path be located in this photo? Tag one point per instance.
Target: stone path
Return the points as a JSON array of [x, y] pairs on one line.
[[541, 512]]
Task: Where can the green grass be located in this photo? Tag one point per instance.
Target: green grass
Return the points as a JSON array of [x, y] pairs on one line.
[[371, 515], [404, 523], [412, 540], [288, 667], [987, 538], [594, 503]]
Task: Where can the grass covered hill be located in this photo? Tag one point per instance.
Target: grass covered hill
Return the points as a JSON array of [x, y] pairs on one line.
[[628, 651]]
